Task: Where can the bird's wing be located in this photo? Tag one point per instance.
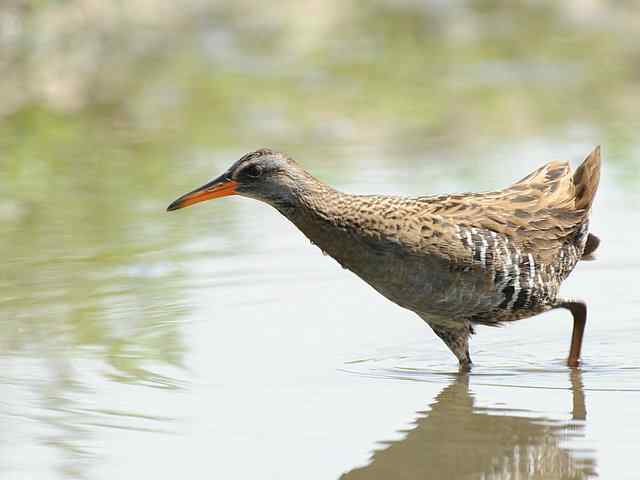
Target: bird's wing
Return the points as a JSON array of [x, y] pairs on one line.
[[539, 214]]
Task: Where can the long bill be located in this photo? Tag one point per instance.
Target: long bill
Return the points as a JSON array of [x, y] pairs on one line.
[[220, 187]]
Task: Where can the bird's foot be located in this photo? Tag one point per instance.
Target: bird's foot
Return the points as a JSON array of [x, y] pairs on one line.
[[573, 362], [465, 366]]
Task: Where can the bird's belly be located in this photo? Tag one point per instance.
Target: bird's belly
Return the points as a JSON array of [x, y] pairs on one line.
[[428, 286]]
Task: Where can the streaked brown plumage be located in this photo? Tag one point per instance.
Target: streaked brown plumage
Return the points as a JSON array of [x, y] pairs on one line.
[[455, 260]]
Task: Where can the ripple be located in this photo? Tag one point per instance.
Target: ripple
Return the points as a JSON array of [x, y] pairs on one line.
[[602, 374]]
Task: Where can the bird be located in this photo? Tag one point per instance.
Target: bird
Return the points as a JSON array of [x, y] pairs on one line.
[[456, 260]]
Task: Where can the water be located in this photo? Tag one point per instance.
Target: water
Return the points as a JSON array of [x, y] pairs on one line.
[[217, 342], [218, 337]]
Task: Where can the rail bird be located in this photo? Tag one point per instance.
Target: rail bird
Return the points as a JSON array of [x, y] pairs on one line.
[[457, 260]]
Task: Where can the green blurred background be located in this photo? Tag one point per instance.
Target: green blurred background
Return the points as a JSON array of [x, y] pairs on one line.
[[106, 107], [87, 80], [110, 109]]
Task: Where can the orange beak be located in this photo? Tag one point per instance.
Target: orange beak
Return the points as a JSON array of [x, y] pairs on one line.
[[220, 187]]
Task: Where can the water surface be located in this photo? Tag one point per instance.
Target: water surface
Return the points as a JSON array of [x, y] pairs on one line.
[[217, 342]]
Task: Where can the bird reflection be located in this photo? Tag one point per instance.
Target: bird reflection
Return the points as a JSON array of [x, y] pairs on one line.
[[455, 439]]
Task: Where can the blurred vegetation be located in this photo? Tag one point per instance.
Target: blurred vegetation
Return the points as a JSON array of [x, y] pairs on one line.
[[103, 102], [218, 73]]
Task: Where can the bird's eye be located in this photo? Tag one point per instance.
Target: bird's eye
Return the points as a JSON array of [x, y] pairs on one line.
[[252, 171]]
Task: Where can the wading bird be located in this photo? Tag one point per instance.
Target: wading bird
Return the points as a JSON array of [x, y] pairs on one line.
[[456, 260]]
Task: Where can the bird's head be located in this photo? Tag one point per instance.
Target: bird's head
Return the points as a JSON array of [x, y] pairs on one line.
[[264, 175]]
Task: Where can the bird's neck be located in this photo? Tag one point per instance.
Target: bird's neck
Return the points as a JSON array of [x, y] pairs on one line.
[[312, 204], [322, 214], [350, 230]]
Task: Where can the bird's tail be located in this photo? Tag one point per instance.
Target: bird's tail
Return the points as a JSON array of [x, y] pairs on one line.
[[586, 179]]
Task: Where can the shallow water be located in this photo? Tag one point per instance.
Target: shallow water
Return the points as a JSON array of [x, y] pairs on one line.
[[218, 338], [217, 342]]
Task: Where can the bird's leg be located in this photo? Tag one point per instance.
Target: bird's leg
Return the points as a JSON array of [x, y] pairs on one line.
[[579, 311], [456, 337]]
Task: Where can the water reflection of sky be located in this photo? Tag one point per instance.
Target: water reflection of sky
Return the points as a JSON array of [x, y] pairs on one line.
[[218, 340], [199, 345]]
